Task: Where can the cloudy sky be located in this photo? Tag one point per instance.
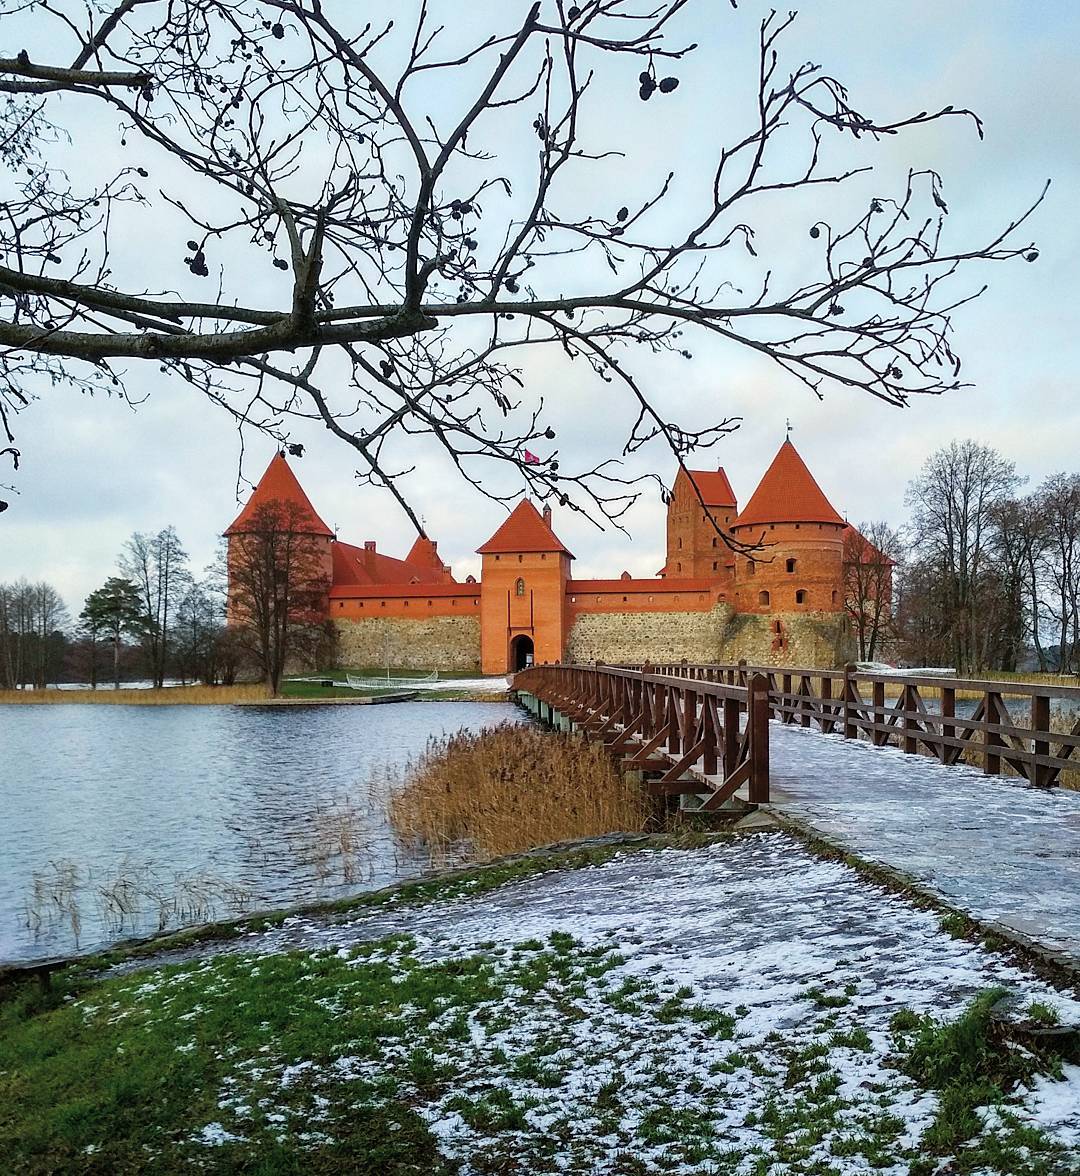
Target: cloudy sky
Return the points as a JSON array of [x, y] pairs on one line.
[[95, 470]]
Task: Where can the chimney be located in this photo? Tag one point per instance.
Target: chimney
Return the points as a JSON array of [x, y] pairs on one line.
[[369, 557], [547, 515]]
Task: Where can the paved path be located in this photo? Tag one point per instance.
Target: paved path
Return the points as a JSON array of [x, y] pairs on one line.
[[991, 845]]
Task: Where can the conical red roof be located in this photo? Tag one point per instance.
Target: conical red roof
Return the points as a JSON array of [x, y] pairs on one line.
[[278, 484], [787, 494], [524, 530]]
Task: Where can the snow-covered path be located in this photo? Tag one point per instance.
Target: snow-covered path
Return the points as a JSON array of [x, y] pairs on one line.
[[991, 845]]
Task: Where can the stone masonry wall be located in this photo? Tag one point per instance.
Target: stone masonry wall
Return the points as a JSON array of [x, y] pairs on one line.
[[820, 640], [805, 639], [433, 643], [648, 636]]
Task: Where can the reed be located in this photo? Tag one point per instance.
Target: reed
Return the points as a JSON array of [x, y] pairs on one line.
[[477, 795], [171, 696]]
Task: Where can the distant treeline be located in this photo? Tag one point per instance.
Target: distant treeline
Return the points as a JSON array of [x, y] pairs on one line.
[[153, 619]]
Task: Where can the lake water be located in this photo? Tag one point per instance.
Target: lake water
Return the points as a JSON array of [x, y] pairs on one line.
[[116, 819]]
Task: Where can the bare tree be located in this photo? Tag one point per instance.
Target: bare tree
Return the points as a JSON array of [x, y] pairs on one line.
[[871, 553], [32, 622], [157, 566], [1058, 503], [279, 576], [954, 503], [370, 172]]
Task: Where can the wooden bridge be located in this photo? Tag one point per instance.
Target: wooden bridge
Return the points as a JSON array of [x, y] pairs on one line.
[[704, 729]]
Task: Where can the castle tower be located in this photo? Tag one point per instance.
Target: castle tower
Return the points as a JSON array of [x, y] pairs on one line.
[[800, 565], [523, 614], [694, 550], [278, 492]]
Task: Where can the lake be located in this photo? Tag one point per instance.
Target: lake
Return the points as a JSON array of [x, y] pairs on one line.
[[115, 820]]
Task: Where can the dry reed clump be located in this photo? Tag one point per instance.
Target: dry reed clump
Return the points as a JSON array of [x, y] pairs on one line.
[[476, 795], [170, 696]]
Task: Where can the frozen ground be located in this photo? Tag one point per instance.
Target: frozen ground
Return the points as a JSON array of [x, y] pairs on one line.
[[742, 1024], [991, 845]]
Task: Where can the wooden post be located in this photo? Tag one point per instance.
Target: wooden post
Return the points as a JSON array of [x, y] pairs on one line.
[[991, 761], [1040, 723], [850, 731], [907, 700], [825, 721], [879, 738], [758, 722], [731, 733], [948, 731]]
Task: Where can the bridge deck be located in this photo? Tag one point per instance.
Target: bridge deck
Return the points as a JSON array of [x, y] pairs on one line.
[[991, 845]]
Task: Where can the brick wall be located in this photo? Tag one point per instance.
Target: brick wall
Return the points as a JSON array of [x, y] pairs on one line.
[[430, 643], [822, 640]]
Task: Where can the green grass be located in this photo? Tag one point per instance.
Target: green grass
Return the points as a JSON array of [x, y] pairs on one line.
[[970, 1066]]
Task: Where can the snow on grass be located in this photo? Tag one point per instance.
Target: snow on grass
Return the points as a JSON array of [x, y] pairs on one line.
[[724, 1009]]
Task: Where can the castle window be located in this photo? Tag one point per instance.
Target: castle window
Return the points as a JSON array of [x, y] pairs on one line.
[[624, 600], [543, 555], [751, 567], [680, 544], [382, 604], [521, 559], [790, 566], [834, 597], [714, 542], [797, 526], [406, 604], [777, 627], [341, 604], [650, 600], [763, 598], [496, 559], [714, 565], [800, 596], [678, 567], [429, 604], [573, 600], [519, 587]]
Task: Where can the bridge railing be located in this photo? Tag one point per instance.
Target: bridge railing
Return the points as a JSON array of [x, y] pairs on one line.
[[1011, 725], [688, 734]]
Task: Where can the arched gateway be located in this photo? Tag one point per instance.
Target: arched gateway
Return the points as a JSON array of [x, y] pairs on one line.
[[521, 652]]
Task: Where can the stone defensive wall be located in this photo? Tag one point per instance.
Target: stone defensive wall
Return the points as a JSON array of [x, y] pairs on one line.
[[437, 626], [713, 634]]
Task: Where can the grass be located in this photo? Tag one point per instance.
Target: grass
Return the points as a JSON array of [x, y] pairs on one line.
[[533, 1056], [170, 696], [971, 1066], [478, 795]]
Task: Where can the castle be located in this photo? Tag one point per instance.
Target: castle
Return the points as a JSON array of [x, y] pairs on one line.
[[776, 596]]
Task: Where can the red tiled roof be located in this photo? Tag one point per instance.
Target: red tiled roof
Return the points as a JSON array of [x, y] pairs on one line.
[[524, 530], [403, 591], [355, 566], [713, 486], [656, 586], [278, 484], [787, 494]]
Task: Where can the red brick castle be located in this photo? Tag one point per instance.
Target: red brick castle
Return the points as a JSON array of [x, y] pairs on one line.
[[784, 603]]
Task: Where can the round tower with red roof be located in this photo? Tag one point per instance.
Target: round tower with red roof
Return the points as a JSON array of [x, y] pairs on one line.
[[800, 564]]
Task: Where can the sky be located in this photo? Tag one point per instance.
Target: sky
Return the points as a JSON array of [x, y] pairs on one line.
[[96, 469]]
